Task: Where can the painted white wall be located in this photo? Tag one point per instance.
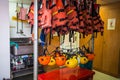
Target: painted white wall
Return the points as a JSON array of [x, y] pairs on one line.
[[4, 40], [13, 23]]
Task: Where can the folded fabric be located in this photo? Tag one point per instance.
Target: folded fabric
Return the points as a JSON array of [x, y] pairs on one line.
[[14, 44], [42, 38]]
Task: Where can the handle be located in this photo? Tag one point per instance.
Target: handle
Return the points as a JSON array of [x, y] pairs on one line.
[[119, 62]]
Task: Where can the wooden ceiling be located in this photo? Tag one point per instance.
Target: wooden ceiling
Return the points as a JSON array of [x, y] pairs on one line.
[[98, 1], [107, 1]]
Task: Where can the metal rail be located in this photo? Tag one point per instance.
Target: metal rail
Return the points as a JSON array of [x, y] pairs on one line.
[[35, 75]]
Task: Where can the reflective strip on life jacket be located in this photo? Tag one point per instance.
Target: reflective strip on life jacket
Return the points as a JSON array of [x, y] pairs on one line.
[[69, 12]]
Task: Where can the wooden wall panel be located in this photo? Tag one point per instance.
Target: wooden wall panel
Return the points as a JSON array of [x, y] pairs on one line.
[[107, 47], [55, 42], [98, 50], [109, 62], [84, 41]]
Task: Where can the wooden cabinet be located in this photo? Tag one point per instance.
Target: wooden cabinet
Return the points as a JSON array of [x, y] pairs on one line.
[[98, 50], [107, 48]]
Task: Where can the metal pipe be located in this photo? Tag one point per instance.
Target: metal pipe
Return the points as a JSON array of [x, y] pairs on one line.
[[92, 42], [22, 20], [17, 16], [35, 75]]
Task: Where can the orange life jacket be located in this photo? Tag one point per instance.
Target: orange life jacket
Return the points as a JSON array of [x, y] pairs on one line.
[[73, 23]]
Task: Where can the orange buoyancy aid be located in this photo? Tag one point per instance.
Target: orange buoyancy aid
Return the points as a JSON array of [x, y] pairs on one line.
[[73, 22]]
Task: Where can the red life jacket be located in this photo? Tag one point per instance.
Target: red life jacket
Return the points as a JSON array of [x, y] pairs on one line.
[[73, 23], [46, 15], [88, 18], [31, 14], [97, 21], [59, 18], [81, 20]]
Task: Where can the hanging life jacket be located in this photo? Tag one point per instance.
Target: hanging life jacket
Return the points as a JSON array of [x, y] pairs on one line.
[[97, 21], [81, 18], [73, 22], [59, 17], [31, 14], [45, 19], [88, 18]]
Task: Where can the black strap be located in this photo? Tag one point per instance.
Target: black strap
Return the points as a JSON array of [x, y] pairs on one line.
[[73, 36], [31, 29], [66, 5], [60, 10], [80, 35], [63, 38], [62, 19], [50, 36], [95, 33], [52, 6], [39, 3]]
